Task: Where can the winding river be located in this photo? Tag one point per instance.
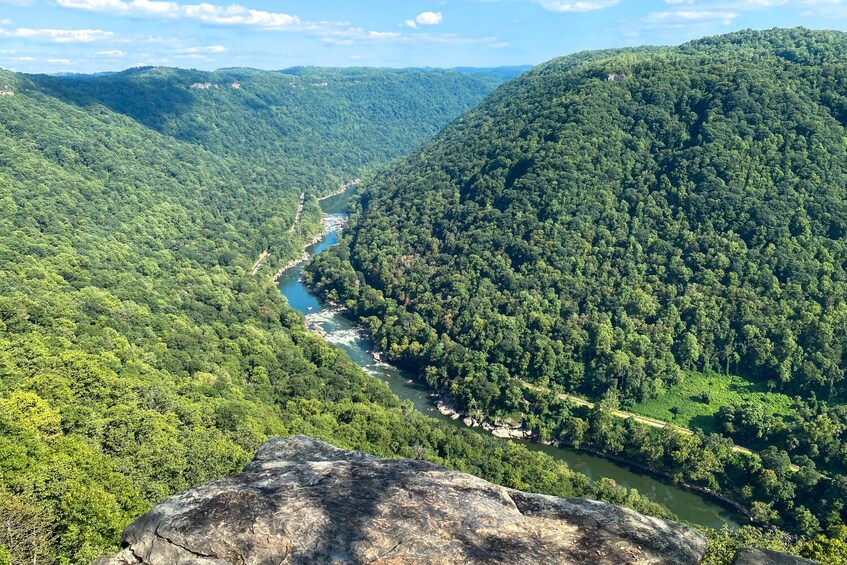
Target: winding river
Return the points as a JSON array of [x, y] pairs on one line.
[[688, 505]]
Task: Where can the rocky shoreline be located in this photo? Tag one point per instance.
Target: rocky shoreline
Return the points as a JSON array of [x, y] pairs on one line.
[[503, 431], [519, 432], [330, 223]]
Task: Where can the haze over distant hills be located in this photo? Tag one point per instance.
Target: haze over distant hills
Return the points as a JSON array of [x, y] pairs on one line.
[[367, 116]]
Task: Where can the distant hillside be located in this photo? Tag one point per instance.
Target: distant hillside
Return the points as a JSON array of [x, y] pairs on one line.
[[503, 73], [318, 126]]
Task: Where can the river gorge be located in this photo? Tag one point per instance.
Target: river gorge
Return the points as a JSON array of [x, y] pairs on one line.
[[688, 505]]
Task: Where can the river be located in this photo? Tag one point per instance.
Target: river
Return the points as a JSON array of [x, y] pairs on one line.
[[688, 505]]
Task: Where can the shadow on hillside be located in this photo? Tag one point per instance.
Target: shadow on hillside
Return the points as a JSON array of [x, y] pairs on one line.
[[157, 95], [704, 422]]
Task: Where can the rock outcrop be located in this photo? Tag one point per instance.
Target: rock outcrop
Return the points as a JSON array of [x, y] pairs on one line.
[[304, 501], [753, 556]]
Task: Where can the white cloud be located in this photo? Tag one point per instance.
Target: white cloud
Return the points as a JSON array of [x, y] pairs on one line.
[[675, 18], [389, 35], [738, 4], [329, 32], [208, 49], [360, 35], [580, 6], [59, 61], [112, 53], [234, 14], [429, 18], [59, 35]]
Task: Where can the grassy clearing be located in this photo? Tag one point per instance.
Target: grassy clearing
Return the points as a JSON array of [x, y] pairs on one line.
[[683, 403]]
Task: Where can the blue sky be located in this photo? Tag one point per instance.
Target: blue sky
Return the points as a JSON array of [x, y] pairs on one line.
[[98, 35]]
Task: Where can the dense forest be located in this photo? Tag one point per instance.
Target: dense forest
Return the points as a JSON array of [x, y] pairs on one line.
[[138, 357], [612, 223], [316, 127]]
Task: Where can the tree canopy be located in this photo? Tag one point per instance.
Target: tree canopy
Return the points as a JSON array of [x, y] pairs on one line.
[[137, 355], [613, 219]]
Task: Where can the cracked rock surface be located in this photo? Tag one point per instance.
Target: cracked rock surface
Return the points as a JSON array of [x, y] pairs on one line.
[[304, 501]]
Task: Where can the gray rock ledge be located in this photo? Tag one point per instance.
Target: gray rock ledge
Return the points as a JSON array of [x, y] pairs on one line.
[[304, 501], [753, 556]]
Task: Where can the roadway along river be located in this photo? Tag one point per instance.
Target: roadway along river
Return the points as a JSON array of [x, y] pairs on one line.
[[688, 505]]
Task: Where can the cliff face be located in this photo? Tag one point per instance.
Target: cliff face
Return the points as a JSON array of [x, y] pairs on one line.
[[304, 501]]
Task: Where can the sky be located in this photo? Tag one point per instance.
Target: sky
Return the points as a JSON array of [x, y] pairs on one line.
[[51, 36]]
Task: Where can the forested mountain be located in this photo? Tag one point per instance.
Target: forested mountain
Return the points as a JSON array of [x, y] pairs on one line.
[[137, 355], [300, 123], [612, 221]]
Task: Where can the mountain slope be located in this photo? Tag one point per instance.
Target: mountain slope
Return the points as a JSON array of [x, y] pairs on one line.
[[321, 119], [682, 196], [612, 219], [137, 355]]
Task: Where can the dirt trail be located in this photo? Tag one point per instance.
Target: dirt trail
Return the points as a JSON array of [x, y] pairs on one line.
[[267, 252], [299, 212], [260, 261]]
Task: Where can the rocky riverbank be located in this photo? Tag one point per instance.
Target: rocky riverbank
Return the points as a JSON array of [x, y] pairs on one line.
[[331, 222], [517, 431], [497, 429]]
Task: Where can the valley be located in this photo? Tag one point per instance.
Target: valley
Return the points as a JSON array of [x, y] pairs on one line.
[[343, 333], [618, 275]]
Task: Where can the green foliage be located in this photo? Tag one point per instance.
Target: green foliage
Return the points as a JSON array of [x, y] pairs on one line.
[[26, 531], [724, 543], [137, 355], [309, 127], [825, 550], [689, 396], [610, 220]]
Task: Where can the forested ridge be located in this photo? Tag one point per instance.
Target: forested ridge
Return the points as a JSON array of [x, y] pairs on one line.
[[308, 125], [137, 355], [612, 223]]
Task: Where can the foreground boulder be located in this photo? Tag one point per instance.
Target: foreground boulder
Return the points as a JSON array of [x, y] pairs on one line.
[[754, 556], [304, 501]]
